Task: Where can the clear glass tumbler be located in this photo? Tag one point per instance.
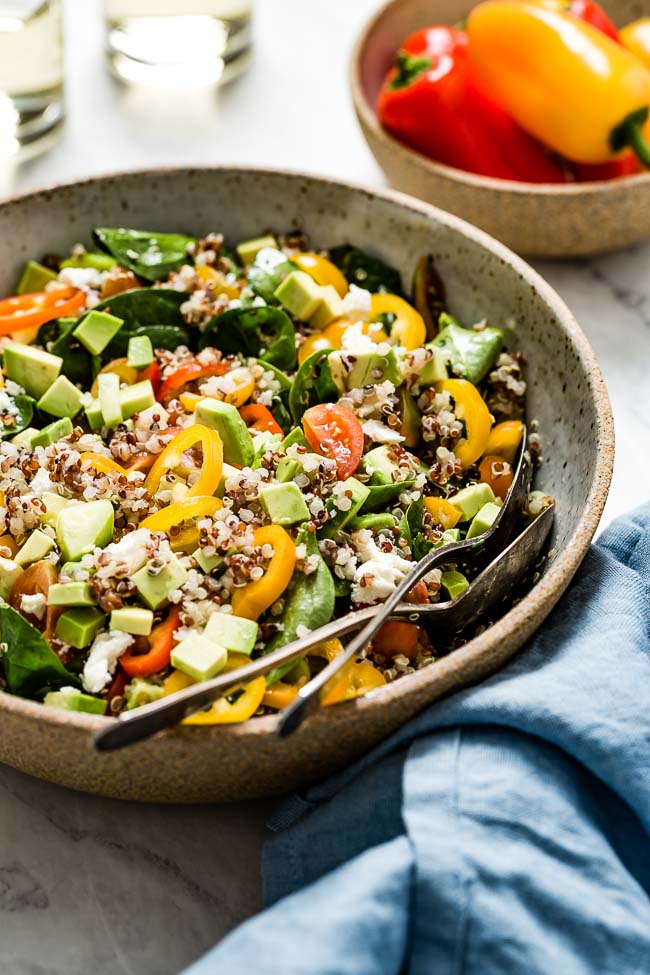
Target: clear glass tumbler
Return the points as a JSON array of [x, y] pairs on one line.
[[31, 75], [178, 43]]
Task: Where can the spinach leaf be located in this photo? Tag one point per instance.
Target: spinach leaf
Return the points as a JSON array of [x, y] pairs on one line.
[[308, 601], [313, 384], [366, 271], [22, 419], [267, 273], [150, 255], [162, 337], [411, 528], [79, 366], [266, 333], [146, 311], [281, 377], [383, 495], [30, 666], [472, 352]]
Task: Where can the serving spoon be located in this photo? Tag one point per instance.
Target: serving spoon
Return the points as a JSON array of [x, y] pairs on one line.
[[493, 584]]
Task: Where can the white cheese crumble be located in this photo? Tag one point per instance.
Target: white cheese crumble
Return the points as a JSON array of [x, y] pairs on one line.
[[7, 404], [81, 277], [381, 433], [105, 651], [357, 303], [42, 482], [380, 572], [35, 604], [131, 549]]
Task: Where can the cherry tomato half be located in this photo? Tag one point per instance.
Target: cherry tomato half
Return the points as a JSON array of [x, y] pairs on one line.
[[335, 432]]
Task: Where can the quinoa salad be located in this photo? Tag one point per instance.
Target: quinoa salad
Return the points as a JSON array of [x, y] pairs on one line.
[[208, 452]]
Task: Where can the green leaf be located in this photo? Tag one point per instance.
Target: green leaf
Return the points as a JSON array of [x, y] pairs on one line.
[[267, 273], [30, 666], [383, 495], [23, 418], [79, 366], [146, 311], [472, 352], [366, 271], [150, 255], [265, 333], [162, 337], [313, 384]]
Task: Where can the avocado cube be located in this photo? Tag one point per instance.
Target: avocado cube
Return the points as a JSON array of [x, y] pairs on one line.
[[109, 398], [232, 632], [199, 657], [132, 619], [70, 594], [100, 262], [284, 503], [248, 250], [449, 536], [141, 692], [155, 589], [54, 503], [93, 412], [381, 467], [33, 369], [225, 419], [227, 471], [330, 307], [286, 470], [35, 548], [79, 627], [62, 399], [471, 352], [471, 499], [82, 527], [34, 277], [454, 582], [140, 352], [435, 369], [299, 294], [338, 517], [364, 368], [9, 572], [484, 519], [53, 432], [25, 437], [295, 437], [207, 563], [96, 330], [136, 398], [70, 699]]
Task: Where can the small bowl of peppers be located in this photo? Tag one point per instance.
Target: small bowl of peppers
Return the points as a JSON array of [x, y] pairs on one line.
[[548, 150]]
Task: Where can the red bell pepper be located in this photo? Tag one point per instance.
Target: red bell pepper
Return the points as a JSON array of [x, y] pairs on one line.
[[433, 101], [592, 14], [625, 166]]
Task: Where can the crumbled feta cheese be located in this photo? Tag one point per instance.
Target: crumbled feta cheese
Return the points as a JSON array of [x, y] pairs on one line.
[[154, 417], [81, 277], [35, 604], [357, 303], [105, 651], [41, 482], [355, 341], [7, 404], [131, 550], [379, 573], [381, 433]]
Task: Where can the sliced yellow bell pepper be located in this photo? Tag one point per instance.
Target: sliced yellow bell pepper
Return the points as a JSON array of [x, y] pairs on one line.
[[504, 439], [354, 680], [322, 271], [172, 456], [210, 275], [101, 464], [471, 409], [280, 695], [176, 514], [126, 373], [328, 650], [244, 388], [332, 336], [246, 698], [255, 597], [408, 329], [443, 512]]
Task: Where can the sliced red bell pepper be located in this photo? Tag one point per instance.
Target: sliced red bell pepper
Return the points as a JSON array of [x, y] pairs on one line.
[[259, 418], [188, 372], [592, 13], [157, 657]]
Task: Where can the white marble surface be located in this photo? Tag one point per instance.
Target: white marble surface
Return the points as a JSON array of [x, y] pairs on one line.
[[88, 885]]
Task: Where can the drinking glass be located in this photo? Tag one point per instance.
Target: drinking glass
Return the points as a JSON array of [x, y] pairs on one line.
[[178, 43], [31, 75]]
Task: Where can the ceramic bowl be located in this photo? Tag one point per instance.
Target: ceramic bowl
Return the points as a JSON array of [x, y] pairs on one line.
[[567, 397], [540, 220]]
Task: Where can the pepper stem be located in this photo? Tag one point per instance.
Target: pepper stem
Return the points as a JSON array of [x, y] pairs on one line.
[[409, 68], [630, 133]]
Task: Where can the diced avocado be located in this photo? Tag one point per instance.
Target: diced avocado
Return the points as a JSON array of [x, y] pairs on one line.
[[72, 569], [296, 436], [411, 419], [232, 632], [63, 398], [284, 503], [248, 250], [207, 563], [471, 499], [141, 692], [33, 369], [454, 582], [25, 437], [93, 412], [79, 627], [330, 307], [364, 368], [484, 519], [140, 352], [53, 432], [70, 699], [109, 398], [81, 528], [9, 572], [299, 294], [381, 467], [34, 277], [286, 470], [225, 419], [435, 369], [35, 548], [70, 594], [54, 503], [263, 442], [339, 518], [101, 262], [373, 522], [132, 619], [134, 399], [199, 657], [471, 352], [227, 471], [448, 536], [155, 589], [96, 330]]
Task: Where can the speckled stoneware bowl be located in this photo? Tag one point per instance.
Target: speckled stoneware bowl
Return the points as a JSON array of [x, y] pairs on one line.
[[538, 220], [567, 396]]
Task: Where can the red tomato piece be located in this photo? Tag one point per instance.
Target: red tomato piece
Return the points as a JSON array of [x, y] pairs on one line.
[[335, 432]]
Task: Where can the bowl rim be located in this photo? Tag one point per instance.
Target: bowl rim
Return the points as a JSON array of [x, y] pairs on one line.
[[539, 600], [370, 123]]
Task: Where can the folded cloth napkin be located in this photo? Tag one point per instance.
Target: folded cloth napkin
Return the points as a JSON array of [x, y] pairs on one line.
[[504, 830]]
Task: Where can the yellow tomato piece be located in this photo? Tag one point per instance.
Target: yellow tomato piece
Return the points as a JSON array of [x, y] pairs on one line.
[[172, 456], [355, 679], [322, 271], [127, 374], [101, 464], [471, 409], [255, 597], [246, 699], [443, 512], [210, 275], [504, 439], [177, 514], [408, 329]]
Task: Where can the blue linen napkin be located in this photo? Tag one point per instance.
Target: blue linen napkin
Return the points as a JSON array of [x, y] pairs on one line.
[[504, 830]]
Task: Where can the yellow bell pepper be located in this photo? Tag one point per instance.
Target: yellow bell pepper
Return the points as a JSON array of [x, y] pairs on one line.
[[280, 695], [408, 329], [126, 373], [100, 463], [443, 512], [246, 698], [172, 456], [504, 439], [177, 514], [322, 271], [561, 79], [471, 409], [255, 597], [210, 275], [328, 650], [354, 680], [244, 388], [332, 336], [636, 38]]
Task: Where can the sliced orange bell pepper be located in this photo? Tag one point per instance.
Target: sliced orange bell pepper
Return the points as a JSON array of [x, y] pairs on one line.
[[172, 456], [255, 597], [103, 465], [498, 473], [504, 439], [259, 418], [161, 642], [354, 680], [279, 695], [471, 409], [443, 512], [33, 310]]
